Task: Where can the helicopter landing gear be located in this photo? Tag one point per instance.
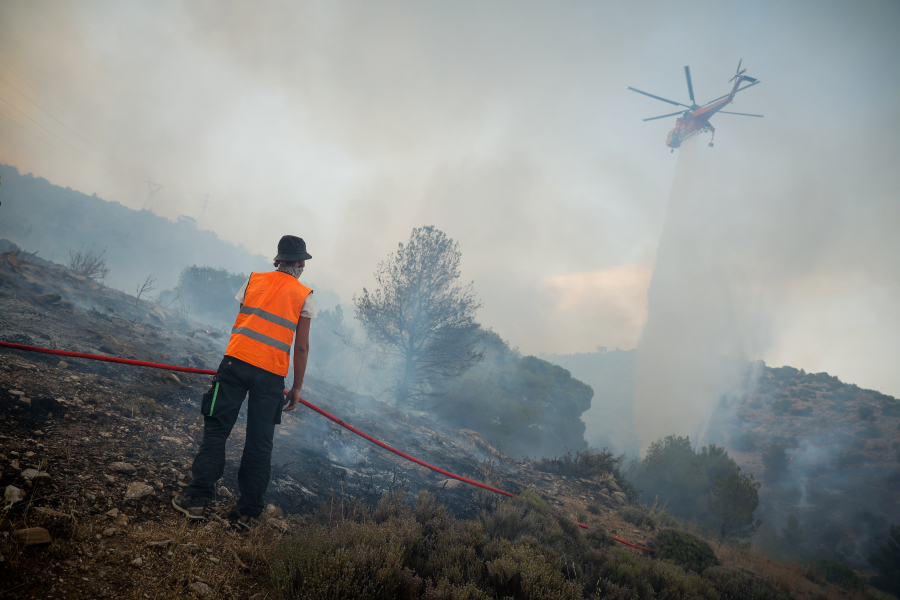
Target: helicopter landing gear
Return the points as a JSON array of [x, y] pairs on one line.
[[713, 129], [711, 144], [673, 151]]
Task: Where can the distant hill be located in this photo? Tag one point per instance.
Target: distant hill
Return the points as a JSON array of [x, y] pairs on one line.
[[610, 420], [50, 220]]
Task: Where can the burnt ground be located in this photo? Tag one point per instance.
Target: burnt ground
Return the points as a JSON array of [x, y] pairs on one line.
[[67, 425]]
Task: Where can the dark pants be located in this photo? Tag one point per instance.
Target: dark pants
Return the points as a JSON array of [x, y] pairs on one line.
[[220, 408]]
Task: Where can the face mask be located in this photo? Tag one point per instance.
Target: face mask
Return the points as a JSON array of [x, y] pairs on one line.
[[292, 271]]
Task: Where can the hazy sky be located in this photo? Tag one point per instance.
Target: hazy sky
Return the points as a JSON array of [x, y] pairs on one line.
[[509, 126]]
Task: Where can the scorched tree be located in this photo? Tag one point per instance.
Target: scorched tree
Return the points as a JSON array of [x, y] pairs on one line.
[[422, 315]]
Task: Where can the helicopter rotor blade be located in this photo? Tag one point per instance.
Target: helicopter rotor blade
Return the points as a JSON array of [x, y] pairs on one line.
[[725, 112], [687, 75], [680, 112], [738, 72], [726, 95], [657, 97]]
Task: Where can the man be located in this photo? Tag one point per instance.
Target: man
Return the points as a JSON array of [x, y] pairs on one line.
[[274, 306]]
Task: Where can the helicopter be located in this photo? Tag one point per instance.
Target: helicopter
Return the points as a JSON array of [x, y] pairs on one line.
[[695, 118]]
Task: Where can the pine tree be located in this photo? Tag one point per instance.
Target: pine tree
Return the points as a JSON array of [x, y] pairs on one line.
[[735, 497]]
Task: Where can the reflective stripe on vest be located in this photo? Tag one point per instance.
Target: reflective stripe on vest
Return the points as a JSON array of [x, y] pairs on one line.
[[265, 326]]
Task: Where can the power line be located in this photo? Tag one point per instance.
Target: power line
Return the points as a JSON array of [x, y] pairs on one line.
[[59, 138], [8, 68], [60, 150], [88, 142]]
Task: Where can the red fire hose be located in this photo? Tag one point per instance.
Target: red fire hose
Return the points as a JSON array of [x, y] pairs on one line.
[[142, 363]]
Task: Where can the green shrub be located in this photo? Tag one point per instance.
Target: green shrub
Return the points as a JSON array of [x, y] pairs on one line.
[[775, 460], [614, 573], [682, 548], [866, 413], [638, 517], [736, 583], [597, 537], [832, 571], [596, 509], [523, 548], [780, 407], [887, 562], [589, 465], [680, 477]]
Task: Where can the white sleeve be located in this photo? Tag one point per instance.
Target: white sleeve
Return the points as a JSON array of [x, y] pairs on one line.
[[309, 307], [242, 292]]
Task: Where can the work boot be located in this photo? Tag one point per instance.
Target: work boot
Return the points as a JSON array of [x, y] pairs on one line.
[[246, 523], [192, 506]]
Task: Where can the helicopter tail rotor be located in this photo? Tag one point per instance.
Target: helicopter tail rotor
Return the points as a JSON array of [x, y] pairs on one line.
[[738, 72]]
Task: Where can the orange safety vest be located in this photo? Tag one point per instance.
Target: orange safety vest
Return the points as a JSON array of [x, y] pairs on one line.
[[264, 328]]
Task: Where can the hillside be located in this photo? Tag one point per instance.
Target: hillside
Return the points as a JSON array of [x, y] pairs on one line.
[[827, 452], [45, 218]]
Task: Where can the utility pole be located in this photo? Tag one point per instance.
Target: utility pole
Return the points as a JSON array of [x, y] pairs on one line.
[[154, 189], [203, 211]]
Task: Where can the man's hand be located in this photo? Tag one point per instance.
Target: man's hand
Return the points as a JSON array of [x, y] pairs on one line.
[[292, 398]]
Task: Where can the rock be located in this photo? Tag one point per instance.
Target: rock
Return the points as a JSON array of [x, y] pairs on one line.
[[29, 474], [62, 364], [122, 520], [225, 492], [32, 536], [90, 496], [138, 489], [171, 439], [615, 488], [271, 509], [123, 467], [202, 590], [620, 497], [138, 562], [190, 548], [171, 379], [25, 401], [49, 512], [160, 543], [277, 524], [113, 513], [13, 495], [109, 479], [110, 531], [214, 560], [17, 392]]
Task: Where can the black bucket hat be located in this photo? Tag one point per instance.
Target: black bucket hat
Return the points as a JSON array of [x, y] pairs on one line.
[[291, 249]]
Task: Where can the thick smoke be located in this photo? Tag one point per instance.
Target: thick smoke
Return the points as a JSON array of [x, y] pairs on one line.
[[707, 312]]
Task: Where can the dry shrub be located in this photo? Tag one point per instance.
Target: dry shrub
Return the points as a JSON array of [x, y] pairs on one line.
[[88, 262], [638, 517], [521, 549], [737, 583]]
